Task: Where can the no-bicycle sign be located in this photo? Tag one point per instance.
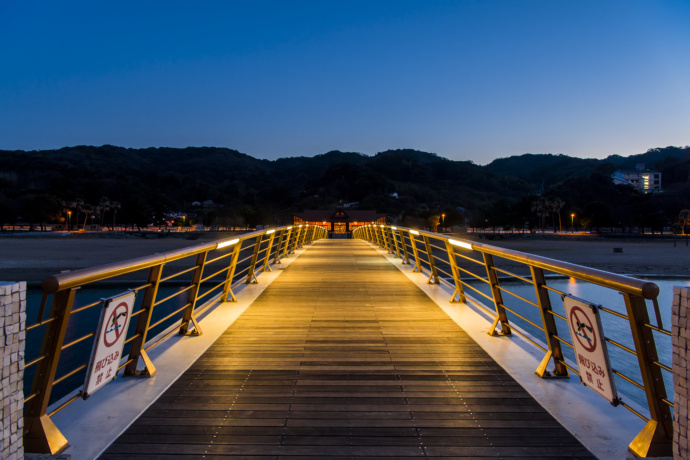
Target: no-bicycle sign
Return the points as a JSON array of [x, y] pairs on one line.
[[110, 339], [591, 354]]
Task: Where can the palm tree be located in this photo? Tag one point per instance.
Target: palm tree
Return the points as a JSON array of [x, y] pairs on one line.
[[115, 205], [556, 205], [541, 208], [102, 208]]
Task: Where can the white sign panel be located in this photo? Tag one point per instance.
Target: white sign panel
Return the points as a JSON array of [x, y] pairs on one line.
[[109, 341], [590, 348]]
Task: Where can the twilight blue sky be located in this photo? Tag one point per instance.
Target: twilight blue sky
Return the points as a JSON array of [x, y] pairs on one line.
[[469, 80]]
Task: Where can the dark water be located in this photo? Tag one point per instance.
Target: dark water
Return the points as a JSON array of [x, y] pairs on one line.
[[614, 327]]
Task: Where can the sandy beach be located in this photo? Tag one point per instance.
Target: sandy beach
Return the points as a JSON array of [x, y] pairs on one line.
[[33, 258]]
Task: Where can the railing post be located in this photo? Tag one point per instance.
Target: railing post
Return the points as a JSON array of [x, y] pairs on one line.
[[456, 275], [406, 257], [433, 276], [305, 236], [655, 439], [550, 330], [276, 257], [40, 433], [287, 242], [395, 242], [227, 288], [137, 349], [188, 315], [295, 240], [498, 298], [251, 277], [379, 236], [417, 262], [386, 242], [267, 267]]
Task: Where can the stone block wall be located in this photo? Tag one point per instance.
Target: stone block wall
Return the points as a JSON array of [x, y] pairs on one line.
[[12, 338], [681, 374]]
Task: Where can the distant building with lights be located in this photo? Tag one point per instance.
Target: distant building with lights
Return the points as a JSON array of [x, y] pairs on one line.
[[339, 221], [644, 180]]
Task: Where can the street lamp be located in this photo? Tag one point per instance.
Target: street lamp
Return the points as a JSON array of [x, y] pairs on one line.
[[69, 220], [572, 223], [443, 222]]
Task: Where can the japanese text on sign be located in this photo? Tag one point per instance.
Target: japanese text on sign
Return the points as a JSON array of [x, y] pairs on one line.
[[591, 354], [110, 339]]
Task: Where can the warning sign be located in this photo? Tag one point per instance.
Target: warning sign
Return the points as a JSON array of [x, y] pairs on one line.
[[110, 339], [590, 348]]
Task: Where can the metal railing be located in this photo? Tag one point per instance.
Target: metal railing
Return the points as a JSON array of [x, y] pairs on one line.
[[489, 272], [206, 272]]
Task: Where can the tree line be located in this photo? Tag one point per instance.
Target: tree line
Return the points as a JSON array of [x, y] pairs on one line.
[[146, 186]]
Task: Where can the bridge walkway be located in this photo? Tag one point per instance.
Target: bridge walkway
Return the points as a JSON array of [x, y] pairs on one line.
[[343, 357]]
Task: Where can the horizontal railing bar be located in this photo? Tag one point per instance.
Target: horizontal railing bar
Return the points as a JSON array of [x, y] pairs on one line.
[[70, 374], [181, 291], [528, 281], [477, 291], [621, 346], [62, 281], [203, 280], [65, 404], [474, 275], [557, 315], [81, 339], [668, 403], [524, 336], [161, 339], [563, 341], [633, 411], [86, 307], [613, 312], [131, 339], [626, 284], [654, 328], [219, 258], [162, 320], [201, 296], [663, 366], [470, 259], [35, 361], [503, 289], [42, 323], [627, 379], [180, 273], [523, 318]]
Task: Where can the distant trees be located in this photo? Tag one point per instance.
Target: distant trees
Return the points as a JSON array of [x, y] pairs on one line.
[[143, 185]]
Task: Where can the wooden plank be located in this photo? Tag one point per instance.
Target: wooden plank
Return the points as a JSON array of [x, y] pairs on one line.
[[343, 357]]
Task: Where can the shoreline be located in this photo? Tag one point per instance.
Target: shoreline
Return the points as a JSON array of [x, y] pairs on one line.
[[31, 259]]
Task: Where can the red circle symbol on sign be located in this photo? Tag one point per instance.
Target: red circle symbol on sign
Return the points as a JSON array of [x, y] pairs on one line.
[[115, 325], [583, 328]]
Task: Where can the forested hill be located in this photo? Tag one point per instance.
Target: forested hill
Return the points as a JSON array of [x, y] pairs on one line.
[[149, 183]]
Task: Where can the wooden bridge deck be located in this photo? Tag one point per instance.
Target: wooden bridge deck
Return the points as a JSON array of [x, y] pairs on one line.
[[343, 357]]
